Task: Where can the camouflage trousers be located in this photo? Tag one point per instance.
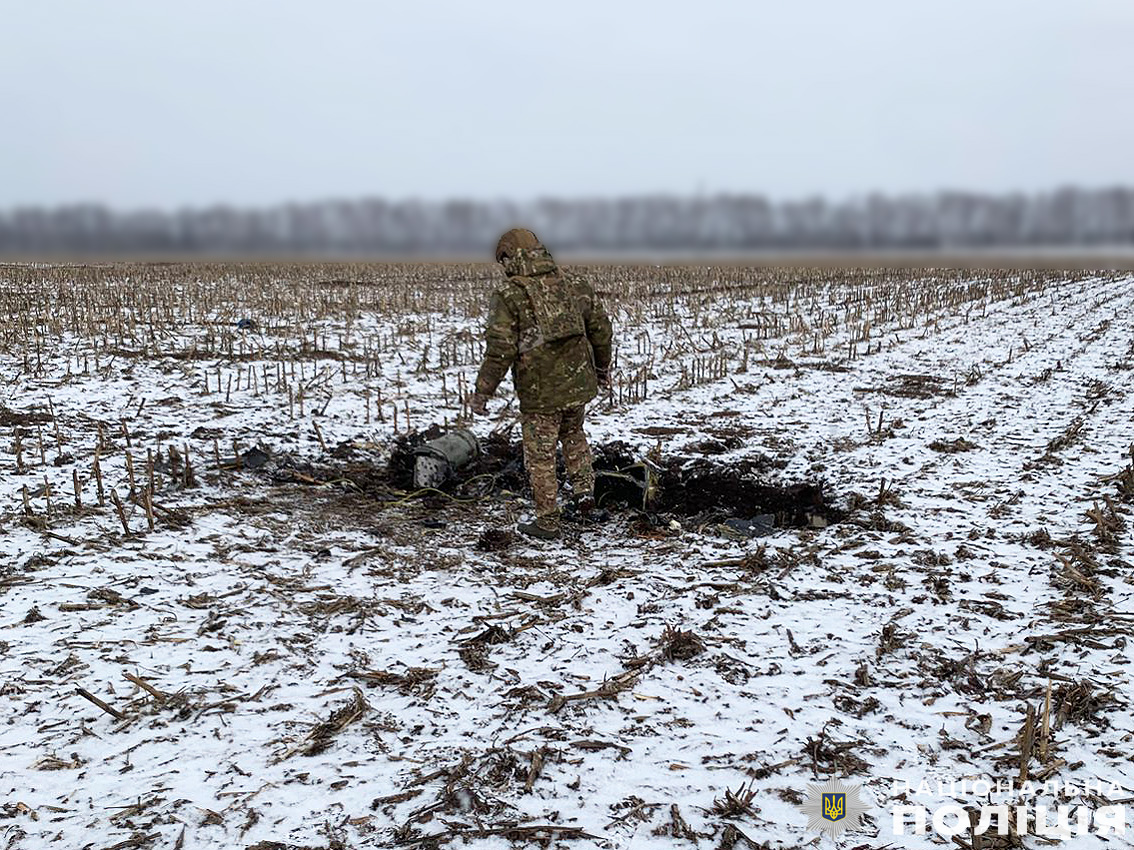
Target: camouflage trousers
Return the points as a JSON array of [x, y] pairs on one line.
[[542, 433]]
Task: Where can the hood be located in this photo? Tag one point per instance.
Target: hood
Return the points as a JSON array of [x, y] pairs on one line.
[[530, 262]]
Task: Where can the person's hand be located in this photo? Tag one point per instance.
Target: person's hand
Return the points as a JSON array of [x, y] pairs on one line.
[[478, 404], [603, 376]]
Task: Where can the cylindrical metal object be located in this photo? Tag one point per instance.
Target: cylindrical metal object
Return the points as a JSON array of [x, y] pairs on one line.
[[440, 458]]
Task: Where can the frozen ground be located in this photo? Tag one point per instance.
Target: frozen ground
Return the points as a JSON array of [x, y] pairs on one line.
[[305, 665]]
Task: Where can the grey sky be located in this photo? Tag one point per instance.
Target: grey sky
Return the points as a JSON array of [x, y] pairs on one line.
[[147, 102]]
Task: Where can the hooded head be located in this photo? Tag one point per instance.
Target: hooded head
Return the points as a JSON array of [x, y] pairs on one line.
[[520, 252]]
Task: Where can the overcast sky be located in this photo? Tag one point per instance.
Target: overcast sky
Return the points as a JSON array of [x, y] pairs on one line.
[[147, 103]]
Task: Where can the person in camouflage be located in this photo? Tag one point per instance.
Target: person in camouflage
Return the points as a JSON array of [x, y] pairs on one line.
[[550, 330]]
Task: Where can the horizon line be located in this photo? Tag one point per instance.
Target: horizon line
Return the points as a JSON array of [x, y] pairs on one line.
[[536, 200]]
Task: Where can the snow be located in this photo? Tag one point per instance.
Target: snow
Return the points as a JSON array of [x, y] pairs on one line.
[[904, 637]]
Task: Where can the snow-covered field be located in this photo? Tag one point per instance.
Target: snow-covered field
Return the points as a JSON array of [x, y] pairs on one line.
[[298, 663]]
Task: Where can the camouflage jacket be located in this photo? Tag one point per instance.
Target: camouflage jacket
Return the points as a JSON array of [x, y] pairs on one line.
[[553, 333]]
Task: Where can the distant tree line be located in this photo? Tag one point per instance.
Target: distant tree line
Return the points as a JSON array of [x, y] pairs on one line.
[[1070, 218]]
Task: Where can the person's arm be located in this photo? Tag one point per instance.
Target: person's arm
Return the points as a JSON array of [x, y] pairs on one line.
[[500, 336], [599, 333]]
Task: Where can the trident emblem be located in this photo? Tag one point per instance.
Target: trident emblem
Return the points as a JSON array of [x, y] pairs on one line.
[[834, 806]]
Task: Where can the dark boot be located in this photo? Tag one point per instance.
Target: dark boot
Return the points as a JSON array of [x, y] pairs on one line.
[[541, 530]]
